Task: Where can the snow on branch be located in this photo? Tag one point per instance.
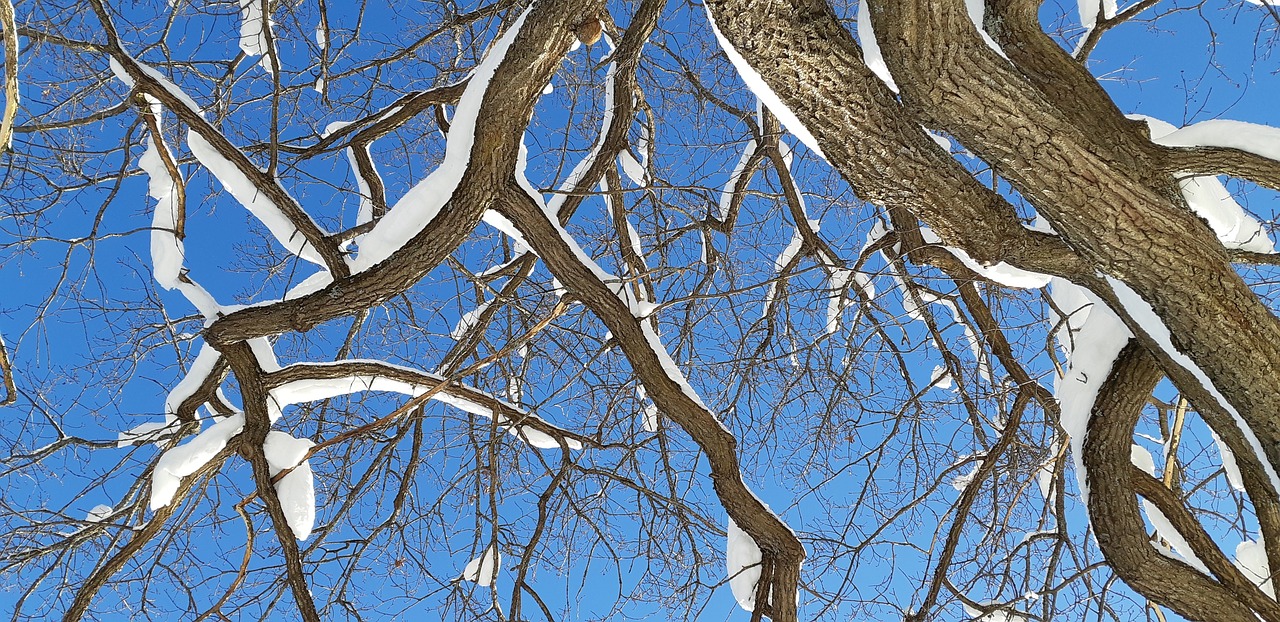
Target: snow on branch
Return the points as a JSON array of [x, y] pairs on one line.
[[420, 205], [201, 372], [1206, 195], [1263, 140], [1000, 272], [252, 187], [296, 490], [1143, 315], [308, 382], [482, 570], [1095, 336], [186, 459], [166, 186], [742, 562], [760, 88]]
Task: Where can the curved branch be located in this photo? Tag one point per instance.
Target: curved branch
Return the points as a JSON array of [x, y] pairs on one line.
[[1118, 524]]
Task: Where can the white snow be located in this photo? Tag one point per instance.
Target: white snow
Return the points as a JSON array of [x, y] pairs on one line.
[[504, 226], [1209, 198], [1000, 272], [762, 91], [167, 252], [469, 320], [996, 615], [1228, 463], [962, 481], [321, 39], [742, 559], [650, 420], [314, 389], [483, 569], [1099, 335], [836, 301], [1251, 559], [200, 370], [784, 258], [420, 205], [871, 54], [1177, 547], [1146, 317], [940, 378], [1263, 140], [297, 489], [1089, 11], [243, 190], [634, 170], [99, 513], [186, 459], [266, 355], [254, 26], [726, 195]]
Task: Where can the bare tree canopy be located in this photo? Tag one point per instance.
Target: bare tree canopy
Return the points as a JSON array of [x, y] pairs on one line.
[[570, 310]]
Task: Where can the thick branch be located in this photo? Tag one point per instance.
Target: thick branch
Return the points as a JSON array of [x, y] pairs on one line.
[[1120, 531]]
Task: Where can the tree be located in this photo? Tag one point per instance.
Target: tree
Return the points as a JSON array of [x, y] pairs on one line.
[[530, 285]]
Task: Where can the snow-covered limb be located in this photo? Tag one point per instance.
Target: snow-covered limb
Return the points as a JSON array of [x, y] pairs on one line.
[[762, 91], [186, 459], [255, 29], [307, 382], [484, 569], [469, 319], [1206, 195], [248, 192], [742, 560], [1089, 10], [1176, 546], [1001, 272], [1263, 140], [259, 192], [420, 205], [208, 364], [296, 490], [669, 389], [1095, 337], [1141, 313]]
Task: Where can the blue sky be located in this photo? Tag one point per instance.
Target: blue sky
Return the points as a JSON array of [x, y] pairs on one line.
[[1195, 64]]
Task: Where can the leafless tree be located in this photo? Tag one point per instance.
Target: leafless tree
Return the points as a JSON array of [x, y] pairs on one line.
[[571, 310]]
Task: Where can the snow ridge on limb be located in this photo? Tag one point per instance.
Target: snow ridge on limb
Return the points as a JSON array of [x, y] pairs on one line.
[[166, 186], [742, 562], [296, 490], [999, 272], [309, 382], [762, 91], [186, 459], [255, 25], [670, 391], [245, 192], [1177, 546], [1209, 198], [482, 570], [420, 205], [1263, 140], [1142, 313], [1095, 337], [1089, 10], [293, 228], [201, 369]]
